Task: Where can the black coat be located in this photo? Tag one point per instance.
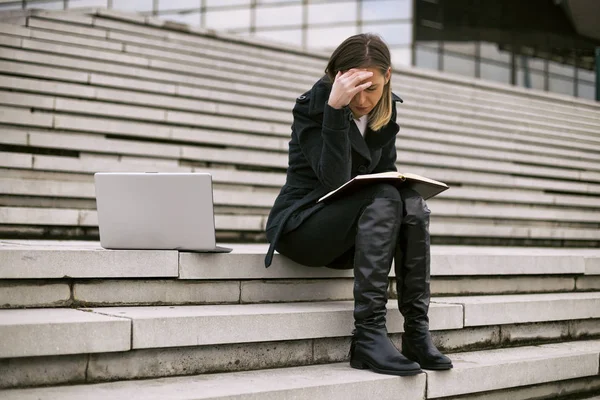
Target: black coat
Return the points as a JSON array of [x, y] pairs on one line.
[[326, 150]]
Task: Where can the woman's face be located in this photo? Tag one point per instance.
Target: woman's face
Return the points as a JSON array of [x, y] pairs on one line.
[[364, 102]]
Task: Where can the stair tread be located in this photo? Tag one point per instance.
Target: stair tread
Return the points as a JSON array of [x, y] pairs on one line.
[[56, 259], [509, 367]]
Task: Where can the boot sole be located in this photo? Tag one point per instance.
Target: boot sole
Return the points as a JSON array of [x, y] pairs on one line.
[[363, 365], [433, 367], [442, 367]]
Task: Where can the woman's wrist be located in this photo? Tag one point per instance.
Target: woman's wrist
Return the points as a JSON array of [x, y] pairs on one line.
[[333, 105], [336, 118]]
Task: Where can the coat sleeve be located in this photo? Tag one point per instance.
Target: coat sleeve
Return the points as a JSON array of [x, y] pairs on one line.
[[325, 145]]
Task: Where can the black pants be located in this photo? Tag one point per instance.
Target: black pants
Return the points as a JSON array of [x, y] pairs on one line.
[[327, 237]]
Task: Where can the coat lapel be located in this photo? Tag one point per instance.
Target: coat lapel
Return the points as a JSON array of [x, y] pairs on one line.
[[358, 142]]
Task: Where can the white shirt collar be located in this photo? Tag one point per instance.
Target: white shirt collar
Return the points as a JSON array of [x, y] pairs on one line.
[[362, 123]]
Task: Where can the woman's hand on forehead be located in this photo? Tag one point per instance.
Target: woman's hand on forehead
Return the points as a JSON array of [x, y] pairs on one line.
[[357, 72], [346, 85]]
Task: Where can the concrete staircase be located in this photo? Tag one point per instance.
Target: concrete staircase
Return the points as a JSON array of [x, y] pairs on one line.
[[105, 91], [518, 322]]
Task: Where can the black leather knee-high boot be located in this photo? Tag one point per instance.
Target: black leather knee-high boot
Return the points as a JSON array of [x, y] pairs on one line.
[[371, 347], [412, 267]]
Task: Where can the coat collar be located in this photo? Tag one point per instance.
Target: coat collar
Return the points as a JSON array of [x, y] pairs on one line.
[[365, 146]]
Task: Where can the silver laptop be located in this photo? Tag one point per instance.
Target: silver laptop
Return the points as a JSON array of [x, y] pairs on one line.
[[155, 210]]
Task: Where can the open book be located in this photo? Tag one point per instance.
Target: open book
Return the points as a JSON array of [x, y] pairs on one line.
[[424, 186]]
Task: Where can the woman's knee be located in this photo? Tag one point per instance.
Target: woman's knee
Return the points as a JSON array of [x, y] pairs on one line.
[[415, 207], [386, 200], [385, 191]]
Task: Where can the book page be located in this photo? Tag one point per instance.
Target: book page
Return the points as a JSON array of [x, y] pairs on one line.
[[423, 179], [390, 174]]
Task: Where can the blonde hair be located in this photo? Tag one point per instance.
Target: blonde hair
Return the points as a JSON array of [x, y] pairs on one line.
[[365, 50]]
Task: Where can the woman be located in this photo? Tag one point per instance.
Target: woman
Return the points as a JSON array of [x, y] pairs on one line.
[[345, 126]]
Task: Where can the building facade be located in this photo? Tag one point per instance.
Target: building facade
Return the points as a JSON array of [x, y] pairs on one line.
[[422, 33]]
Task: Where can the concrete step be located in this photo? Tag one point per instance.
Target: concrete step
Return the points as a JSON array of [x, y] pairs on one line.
[[89, 218], [240, 195], [458, 224], [79, 292], [76, 259], [271, 152], [495, 148], [90, 163], [132, 328], [474, 372], [425, 96], [455, 172], [488, 92], [476, 204], [38, 332], [515, 309], [147, 327], [70, 265], [192, 360], [35, 223]]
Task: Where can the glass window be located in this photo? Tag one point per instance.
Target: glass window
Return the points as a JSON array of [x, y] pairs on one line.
[[87, 3], [279, 16], [586, 74], [133, 5], [178, 5], [54, 5], [467, 48], [12, 6], [536, 79], [431, 45], [187, 18], [426, 58], [561, 69], [331, 12], [491, 52], [537, 63], [329, 37], [374, 10], [561, 85], [401, 56], [288, 36], [586, 90], [495, 72], [218, 3], [278, 1], [228, 19], [393, 34], [457, 64]]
